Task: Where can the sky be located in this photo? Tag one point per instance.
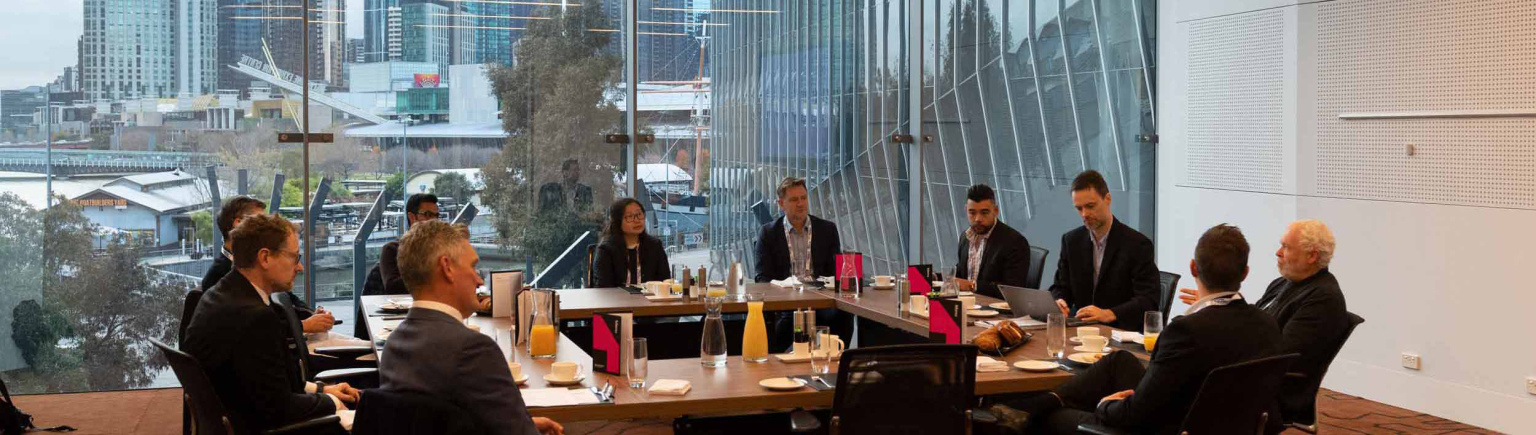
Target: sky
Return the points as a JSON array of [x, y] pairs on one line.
[[38, 37]]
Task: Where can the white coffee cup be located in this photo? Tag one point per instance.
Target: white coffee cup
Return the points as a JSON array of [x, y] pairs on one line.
[[919, 303], [564, 370], [517, 370], [968, 303], [833, 343], [802, 349], [1095, 342], [1083, 332], [884, 280]]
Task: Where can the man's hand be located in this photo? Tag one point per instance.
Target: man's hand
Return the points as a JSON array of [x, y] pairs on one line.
[[1118, 396], [1062, 304], [344, 392], [321, 321], [547, 426], [965, 284], [1095, 314], [485, 303], [1188, 296]]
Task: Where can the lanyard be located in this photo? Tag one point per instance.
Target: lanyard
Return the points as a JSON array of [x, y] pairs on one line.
[[787, 235]]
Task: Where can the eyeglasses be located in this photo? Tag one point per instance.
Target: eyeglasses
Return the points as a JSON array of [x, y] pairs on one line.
[[640, 217], [427, 214], [298, 256]]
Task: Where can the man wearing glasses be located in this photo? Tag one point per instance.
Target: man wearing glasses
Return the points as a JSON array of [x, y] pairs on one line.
[[236, 210], [420, 207]]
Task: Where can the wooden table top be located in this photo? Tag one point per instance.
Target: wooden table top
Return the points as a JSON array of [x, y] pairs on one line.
[[583, 303]]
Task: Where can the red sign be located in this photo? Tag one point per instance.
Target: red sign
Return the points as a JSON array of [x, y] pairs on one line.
[[426, 80]]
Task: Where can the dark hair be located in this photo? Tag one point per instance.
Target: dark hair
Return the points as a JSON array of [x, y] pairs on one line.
[[981, 192], [1221, 258], [568, 164], [235, 208], [789, 182], [413, 205], [615, 230], [256, 233], [1090, 179]]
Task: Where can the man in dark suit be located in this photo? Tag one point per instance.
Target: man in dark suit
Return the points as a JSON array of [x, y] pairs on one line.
[[235, 210], [1309, 306], [991, 252], [433, 354], [797, 244], [570, 194], [1220, 330], [237, 337], [1106, 272], [420, 207]]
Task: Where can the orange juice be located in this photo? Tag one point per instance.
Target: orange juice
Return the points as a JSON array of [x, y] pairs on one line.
[[541, 341], [1149, 341], [754, 339], [715, 292]]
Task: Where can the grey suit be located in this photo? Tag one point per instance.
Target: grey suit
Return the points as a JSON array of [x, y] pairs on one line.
[[433, 354]]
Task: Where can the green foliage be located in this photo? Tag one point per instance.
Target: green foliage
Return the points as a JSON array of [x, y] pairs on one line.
[[453, 185], [294, 197], [36, 330], [394, 187], [202, 220]]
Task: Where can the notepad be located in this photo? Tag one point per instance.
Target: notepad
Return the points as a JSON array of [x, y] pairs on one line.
[[545, 397]]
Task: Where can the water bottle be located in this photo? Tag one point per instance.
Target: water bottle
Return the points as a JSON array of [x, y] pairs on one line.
[[712, 347]]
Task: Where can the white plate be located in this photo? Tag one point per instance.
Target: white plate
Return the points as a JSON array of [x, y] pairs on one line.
[[552, 380], [1086, 349], [981, 313], [782, 384], [521, 380], [999, 306], [966, 293], [1031, 365], [1086, 357], [654, 298]]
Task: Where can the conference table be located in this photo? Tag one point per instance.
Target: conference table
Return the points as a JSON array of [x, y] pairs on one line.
[[732, 389]]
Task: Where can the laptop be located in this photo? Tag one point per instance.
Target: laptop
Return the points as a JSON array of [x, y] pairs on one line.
[[1033, 303]]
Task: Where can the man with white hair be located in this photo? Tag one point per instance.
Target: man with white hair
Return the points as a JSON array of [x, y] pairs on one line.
[[1309, 306]]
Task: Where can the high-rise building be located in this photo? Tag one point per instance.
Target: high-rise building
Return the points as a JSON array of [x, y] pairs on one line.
[[485, 32], [197, 42], [394, 35], [327, 41], [427, 34], [244, 25], [356, 51], [17, 106], [667, 44], [376, 29], [129, 49]]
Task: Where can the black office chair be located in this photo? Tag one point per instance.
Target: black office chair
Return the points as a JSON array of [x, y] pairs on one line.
[[385, 412], [372, 285], [327, 364], [208, 414], [591, 258], [1234, 399], [905, 389], [1305, 414], [1036, 266], [187, 309], [1169, 284]]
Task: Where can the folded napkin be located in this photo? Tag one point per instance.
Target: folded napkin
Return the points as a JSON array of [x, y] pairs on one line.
[[671, 387], [985, 364], [1133, 337], [791, 282]]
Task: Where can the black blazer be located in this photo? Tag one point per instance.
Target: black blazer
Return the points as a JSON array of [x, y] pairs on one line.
[[1312, 318], [432, 354], [1128, 278], [223, 265], [1189, 349], [243, 347], [773, 250], [611, 262], [1004, 260]]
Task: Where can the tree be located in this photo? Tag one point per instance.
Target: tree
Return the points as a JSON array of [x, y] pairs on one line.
[[202, 220], [293, 196], [394, 186], [453, 185], [36, 331]]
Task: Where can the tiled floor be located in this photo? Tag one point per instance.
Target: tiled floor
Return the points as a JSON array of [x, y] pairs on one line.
[[159, 412]]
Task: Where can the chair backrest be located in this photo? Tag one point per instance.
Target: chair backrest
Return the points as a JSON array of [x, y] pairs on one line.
[[296, 342], [386, 412], [1168, 283], [591, 259], [1235, 399], [187, 309], [208, 413], [373, 284], [1314, 383], [1036, 266], [922, 388]]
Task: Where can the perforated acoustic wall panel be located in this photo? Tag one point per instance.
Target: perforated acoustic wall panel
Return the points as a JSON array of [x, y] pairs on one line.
[[1236, 88], [1427, 57]]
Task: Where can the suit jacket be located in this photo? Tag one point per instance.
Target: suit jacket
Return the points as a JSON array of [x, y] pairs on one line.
[[552, 196], [243, 347], [773, 250], [389, 262], [1128, 278], [223, 265], [1312, 318], [1004, 260], [1189, 348], [432, 354], [612, 262]]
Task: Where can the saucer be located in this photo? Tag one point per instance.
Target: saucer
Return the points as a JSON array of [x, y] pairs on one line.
[[782, 384], [999, 306], [1036, 365], [552, 380], [1086, 349], [981, 313], [1088, 358], [521, 380]]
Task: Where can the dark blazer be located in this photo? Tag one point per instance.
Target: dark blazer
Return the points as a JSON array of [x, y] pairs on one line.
[[1128, 278], [552, 196], [216, 271], [1189, 349], [389, 258], [773, 250], [243, 347], [1004, 260], [432, 354], [612, 262], [1312, 318]]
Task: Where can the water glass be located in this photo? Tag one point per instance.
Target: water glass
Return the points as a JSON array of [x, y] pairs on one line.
[[1151, 327], [1056, 335], [637, 365], [821, 355]]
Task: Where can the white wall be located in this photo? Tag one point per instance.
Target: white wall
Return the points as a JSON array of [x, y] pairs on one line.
[[1426, 252]]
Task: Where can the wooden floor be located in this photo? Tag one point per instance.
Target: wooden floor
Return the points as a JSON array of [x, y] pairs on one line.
[[159, 412]]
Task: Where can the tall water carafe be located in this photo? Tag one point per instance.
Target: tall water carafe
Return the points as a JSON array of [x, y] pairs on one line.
[[712, 346]]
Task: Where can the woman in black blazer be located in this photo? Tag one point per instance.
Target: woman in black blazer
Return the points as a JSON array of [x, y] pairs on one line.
[[626, 245]]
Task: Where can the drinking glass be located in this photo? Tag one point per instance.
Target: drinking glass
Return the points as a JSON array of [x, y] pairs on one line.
[[1056, 335], [1151, 327], [637, 365], [821, 356]]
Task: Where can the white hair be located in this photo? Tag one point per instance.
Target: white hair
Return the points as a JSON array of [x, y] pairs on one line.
[[1315, 236]]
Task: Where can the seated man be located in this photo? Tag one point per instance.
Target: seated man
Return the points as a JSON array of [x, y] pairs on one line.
[[797, 244], [1220, 329], [991, 252], [237, 337], [433, 354], [419, 208], [1105, 271], [235, 210]]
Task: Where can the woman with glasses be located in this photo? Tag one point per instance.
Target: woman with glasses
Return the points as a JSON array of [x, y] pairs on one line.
[[627, 255]]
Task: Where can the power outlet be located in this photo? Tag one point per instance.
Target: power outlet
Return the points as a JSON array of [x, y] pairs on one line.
[[1411, 361], [1530, 385]]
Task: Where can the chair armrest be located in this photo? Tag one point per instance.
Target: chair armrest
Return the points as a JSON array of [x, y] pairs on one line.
[[346, 352], [802, 421], [983, 416], [310, 426], [1094, 429], [343, 375]]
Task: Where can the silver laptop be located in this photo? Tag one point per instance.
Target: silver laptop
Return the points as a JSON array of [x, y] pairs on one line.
[[1033, 303]]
